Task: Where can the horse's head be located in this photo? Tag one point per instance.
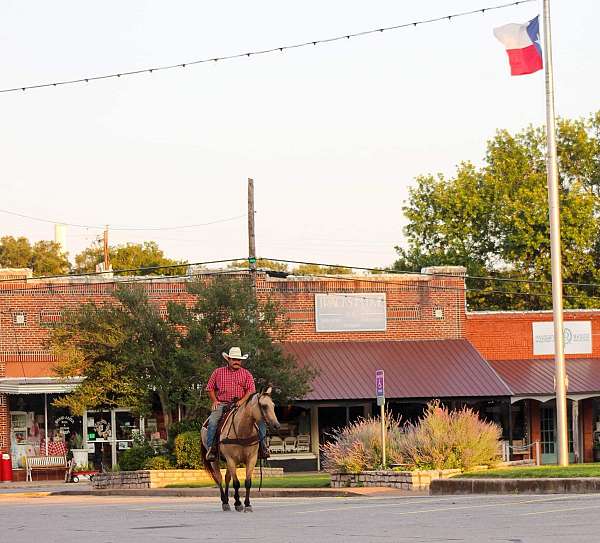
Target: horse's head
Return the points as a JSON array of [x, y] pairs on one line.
[[267, 409]]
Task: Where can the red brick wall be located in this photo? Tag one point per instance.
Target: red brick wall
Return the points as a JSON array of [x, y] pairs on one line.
[[508, 335], [23, 346]]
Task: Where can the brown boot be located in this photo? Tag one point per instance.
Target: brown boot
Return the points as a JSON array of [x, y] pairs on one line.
[[263, 451], [211, 455]]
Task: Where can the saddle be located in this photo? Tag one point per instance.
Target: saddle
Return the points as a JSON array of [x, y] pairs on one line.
[[227, 412]]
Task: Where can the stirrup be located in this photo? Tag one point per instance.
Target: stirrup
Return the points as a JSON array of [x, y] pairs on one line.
[[211, 454], [263, 452]]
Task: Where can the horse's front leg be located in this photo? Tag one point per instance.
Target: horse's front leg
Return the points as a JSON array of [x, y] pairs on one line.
[[232, 473], [224, 495], [248, 482]]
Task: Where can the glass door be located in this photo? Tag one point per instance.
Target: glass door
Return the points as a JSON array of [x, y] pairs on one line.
[[126, 428], [548, 433], [109, 432], [99, 438]]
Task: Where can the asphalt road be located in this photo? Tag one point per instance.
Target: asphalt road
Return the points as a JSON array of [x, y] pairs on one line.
[[515, 519]]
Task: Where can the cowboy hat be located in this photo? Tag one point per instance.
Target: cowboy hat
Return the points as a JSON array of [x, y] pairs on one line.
[[235, 352]]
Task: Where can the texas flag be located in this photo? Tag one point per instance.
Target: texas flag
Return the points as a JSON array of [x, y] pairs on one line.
[[522, 45]]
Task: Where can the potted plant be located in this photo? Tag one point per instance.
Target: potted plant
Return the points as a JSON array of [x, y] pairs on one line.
[[80, 455]]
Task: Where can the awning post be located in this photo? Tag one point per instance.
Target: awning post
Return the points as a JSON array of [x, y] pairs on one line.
[[46, 420]]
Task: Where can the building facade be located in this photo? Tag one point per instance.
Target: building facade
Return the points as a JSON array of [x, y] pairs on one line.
[[414, 327]]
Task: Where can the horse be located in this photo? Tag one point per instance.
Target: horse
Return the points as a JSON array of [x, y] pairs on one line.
[[238, 444]]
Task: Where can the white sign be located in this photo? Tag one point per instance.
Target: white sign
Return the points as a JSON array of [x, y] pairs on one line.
[[577, 337], [364, 312]]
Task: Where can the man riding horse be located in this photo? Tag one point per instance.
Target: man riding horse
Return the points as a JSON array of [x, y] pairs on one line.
[[228, 384]]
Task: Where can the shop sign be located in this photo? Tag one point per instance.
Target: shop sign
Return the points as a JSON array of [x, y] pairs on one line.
[[577, 337], [64, 424], [352, 312]]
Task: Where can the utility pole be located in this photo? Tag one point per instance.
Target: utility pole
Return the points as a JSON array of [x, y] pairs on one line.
[[106, 255], [554, 212], [251, 238]]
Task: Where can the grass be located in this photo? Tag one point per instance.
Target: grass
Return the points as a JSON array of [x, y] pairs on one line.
[[529, 472], [321, 480]]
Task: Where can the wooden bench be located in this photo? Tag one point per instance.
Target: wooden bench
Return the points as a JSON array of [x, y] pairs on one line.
[[43, 462]]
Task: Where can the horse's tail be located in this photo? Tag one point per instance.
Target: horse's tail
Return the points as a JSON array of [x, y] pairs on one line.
[[208, 467]]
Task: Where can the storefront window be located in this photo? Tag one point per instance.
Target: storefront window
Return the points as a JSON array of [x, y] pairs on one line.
[[28, 427]]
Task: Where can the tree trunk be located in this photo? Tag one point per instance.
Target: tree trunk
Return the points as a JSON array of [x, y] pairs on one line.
[[166, 411]]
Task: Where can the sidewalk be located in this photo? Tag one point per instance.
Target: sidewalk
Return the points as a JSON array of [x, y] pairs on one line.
[[41, 487]]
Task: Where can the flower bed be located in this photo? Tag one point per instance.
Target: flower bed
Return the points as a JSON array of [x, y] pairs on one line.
[[162, 478], [407, 480]]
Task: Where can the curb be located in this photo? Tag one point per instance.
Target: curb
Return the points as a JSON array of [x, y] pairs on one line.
[[213, 493], [582, 485], [6, 495]]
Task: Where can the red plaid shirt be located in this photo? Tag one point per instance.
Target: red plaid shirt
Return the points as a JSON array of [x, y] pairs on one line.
[[229, 384]]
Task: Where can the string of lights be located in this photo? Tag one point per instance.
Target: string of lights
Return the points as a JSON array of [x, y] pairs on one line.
[[270, 50], [127, 228]]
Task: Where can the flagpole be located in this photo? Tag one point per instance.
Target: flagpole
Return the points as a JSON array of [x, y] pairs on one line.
[[562, 434]]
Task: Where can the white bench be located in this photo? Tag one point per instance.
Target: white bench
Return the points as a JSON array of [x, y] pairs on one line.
[[43, 462]]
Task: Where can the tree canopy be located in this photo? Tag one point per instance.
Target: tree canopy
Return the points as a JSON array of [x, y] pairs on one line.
[[44, 257], [128, 352], [315, 269], [127, 257], [493, 219]]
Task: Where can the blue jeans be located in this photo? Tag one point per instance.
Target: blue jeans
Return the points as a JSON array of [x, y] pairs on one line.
[[213, 422]]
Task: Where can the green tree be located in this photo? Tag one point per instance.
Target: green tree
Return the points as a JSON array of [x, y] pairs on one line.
[[126, 353], [494, 219], [315, 269], [128, 257], [261, 264], [227, 313], [44, 257]]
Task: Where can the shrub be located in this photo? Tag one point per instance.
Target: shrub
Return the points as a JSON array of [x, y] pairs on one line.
[[357, 447], [134, 458], [186, 425], [158, 462], [187, 450], [444, 439]]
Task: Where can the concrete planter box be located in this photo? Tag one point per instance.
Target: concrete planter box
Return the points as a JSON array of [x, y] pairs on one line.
[[406, 480], [166, 477]]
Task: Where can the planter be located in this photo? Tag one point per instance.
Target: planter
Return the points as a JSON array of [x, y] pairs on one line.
[[80, 457], [407, 480]]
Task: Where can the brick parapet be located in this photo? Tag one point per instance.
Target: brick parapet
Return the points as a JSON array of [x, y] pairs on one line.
[[507, 335]]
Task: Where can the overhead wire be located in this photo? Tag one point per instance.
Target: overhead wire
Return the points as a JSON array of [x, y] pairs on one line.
[[279, 49], [127, 228]]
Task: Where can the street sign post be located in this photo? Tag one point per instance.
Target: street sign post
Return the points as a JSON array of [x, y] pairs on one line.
[[380, 393]]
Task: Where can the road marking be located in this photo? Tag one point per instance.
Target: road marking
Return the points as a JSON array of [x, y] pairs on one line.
[[439, 509], [560, 510], [423, 500]]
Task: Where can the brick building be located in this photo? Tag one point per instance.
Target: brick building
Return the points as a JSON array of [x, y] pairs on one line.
[[519, 347], [415, 327]]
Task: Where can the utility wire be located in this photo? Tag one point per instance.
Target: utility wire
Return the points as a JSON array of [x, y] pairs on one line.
[[128, 270], [128, 228], [411, 272], [279, 49], [378, 282]]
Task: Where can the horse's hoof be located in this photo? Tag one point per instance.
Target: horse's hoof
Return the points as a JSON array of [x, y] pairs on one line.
[[248, 509], [226, 507], [239, 508]]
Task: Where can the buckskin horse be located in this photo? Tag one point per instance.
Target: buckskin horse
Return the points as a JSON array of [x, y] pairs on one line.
[[238, 444]]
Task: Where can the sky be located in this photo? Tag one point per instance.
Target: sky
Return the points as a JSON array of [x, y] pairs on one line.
[[333, 135]]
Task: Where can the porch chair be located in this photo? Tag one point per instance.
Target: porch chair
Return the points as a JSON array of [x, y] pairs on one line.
[[289, 444], [276, 445], [303, 443]]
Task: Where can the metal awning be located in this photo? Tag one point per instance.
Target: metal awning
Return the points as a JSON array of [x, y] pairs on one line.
[[40, 385]]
